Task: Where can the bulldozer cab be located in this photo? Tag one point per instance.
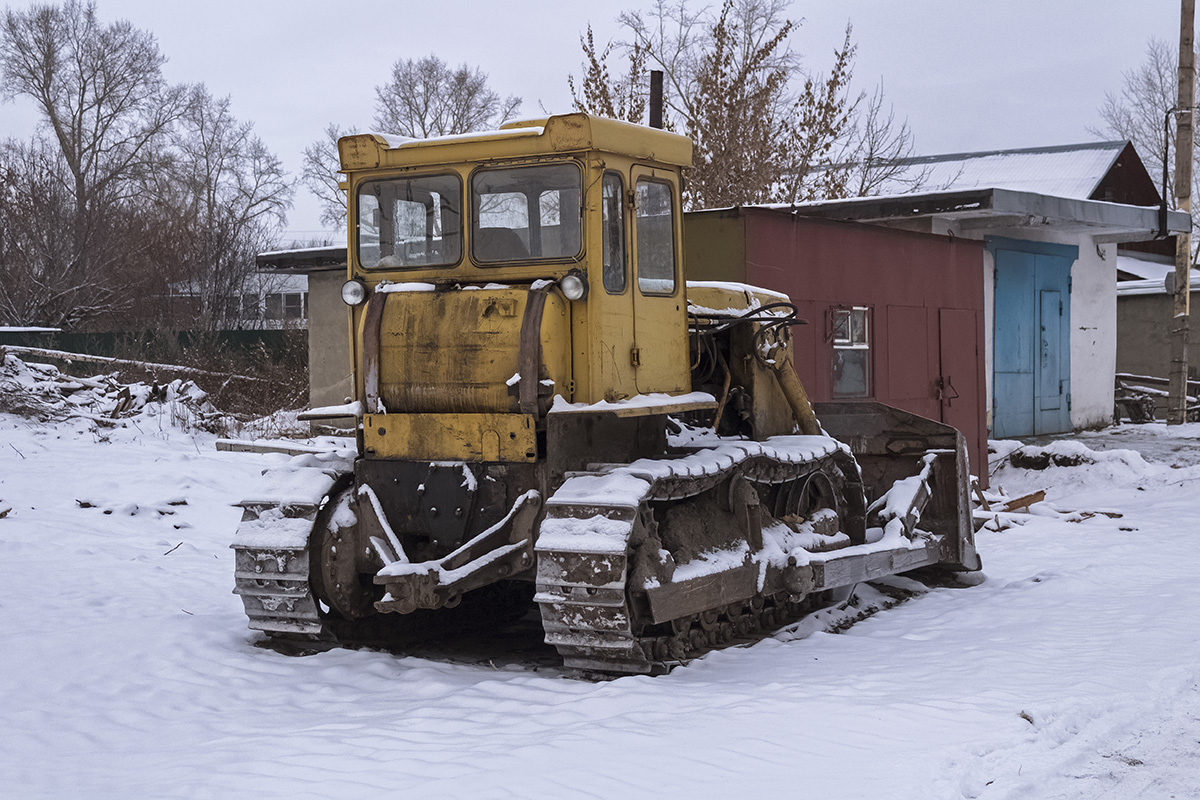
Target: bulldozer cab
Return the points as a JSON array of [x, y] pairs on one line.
[[504, 269]]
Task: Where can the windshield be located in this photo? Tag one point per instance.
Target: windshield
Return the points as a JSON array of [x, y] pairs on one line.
[[410, 222], [526, 213]]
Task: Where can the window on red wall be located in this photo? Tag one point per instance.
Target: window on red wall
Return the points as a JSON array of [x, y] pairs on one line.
[[851, 333]]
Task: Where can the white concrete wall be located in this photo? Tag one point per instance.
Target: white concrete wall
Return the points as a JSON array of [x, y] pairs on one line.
[[1093, 334]]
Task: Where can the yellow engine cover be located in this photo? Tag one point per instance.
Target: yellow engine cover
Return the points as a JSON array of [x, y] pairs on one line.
[[458, 351]]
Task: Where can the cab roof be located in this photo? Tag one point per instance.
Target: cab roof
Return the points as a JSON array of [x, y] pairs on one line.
[[564, 133]]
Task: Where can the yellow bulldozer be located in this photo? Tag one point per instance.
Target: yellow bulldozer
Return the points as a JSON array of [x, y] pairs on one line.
[[546, 412]]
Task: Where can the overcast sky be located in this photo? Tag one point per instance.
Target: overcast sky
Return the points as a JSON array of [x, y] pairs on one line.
[[967, 75]]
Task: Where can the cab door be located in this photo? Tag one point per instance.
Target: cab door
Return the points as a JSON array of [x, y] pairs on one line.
[[610, 302], [660, 347]]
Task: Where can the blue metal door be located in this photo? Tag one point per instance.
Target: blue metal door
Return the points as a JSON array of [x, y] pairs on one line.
[[1052, 410], [1032, 346], [1012, 389]]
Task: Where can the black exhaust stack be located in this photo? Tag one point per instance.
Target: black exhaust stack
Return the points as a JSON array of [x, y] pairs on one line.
[[656, 99]]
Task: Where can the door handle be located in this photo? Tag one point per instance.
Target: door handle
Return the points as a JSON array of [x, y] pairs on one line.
[[946, 393]]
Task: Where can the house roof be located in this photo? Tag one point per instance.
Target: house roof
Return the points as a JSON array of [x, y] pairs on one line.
[[1071, 170], [304, 259]]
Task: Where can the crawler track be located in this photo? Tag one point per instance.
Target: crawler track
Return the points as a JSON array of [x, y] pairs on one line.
[[274, 571], [275, 582], [592, 612], [605, 604]]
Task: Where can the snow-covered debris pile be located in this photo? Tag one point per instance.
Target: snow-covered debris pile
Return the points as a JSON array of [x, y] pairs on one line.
[[1065, 466], [1064, 454], [43, 392]]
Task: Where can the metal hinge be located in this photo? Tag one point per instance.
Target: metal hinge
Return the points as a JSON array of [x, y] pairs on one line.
[[1068, 401], [635, 356], [1060, 308]]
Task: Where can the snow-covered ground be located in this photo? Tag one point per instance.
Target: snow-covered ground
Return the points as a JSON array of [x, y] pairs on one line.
[[127, 669]]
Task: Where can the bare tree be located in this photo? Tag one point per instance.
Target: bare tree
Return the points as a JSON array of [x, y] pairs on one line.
[[880, 153], [423, 98], [764, 129], [232, 193], [622, 98], [320, 175], [44, 278], [100, 91], [106, 112], [822, 132], [1139, 110], [426, 97], [738, 122]]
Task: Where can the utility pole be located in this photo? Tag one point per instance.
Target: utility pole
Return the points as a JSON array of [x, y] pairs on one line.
[[1177, 403]]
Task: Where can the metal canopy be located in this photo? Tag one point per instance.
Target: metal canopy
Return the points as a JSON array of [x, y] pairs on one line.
[[992, 209]]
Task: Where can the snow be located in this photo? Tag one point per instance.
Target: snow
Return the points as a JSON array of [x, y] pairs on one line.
[[408, 286], [128, 671], [1063, 171], [1149, 268], [396, 554], [595, 534], [395, 140], [353, 409], [733, 286], [652, 400]]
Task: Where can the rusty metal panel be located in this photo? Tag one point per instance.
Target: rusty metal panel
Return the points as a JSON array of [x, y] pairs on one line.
[[459, 351]]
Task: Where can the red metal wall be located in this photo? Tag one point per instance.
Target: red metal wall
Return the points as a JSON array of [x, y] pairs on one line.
[[924, 292]]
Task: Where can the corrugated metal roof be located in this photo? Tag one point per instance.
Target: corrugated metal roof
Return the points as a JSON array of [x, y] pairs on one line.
[[1072, 170], [1150, 272], [1146, 269]]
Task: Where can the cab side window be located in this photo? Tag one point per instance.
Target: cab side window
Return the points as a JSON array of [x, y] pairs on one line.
[[613, 232], [655, 226]]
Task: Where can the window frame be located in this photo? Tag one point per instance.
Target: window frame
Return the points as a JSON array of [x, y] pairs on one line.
[[606, 236], [675, 214], [447, 261], [856, 341], [473, 218]]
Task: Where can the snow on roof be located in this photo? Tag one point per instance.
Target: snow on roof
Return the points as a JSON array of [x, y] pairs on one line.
[[521, 128], [1073, 170], [1148, 268]]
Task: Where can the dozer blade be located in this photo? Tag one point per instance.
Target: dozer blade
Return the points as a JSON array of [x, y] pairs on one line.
[[890, 445]]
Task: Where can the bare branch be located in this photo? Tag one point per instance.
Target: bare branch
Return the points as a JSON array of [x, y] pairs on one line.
[[426, 98]]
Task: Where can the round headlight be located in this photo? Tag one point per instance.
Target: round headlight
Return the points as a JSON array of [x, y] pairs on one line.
[[353, 292], [573, 287]]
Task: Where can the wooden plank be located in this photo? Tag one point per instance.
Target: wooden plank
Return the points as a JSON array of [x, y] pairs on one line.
[[684, 598], [845, 570], [149, 366], [983, 501], [1150, 380], [1025, 501], [235, 446]]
